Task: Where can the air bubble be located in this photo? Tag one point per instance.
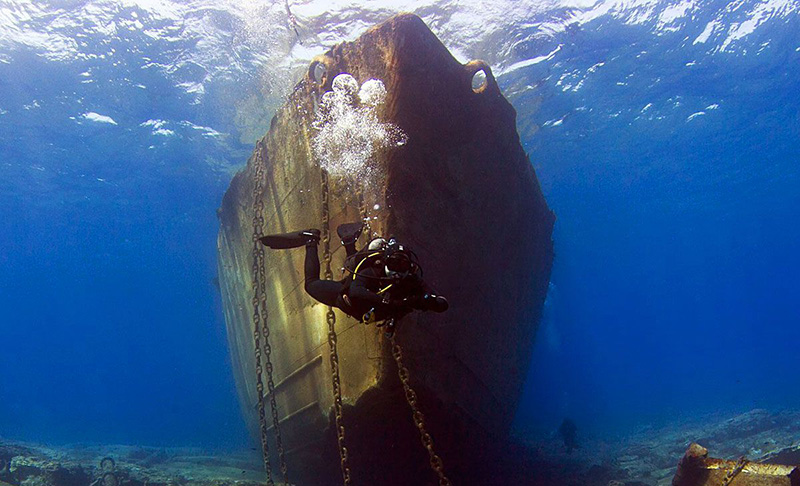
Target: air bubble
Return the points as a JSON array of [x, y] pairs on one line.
[[345, 84], [350, 131], [372, 93]]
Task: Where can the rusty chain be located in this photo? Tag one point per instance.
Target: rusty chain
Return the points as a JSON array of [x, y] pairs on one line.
[[362, 209], [737, 468], [258, 259], [419, 419], [331, 319], [261, 327]]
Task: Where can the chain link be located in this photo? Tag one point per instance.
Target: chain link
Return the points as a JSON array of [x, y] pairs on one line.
[[730, 475], [258, 262], [419, 419], [261, 327], [331, 319], [362, 208]]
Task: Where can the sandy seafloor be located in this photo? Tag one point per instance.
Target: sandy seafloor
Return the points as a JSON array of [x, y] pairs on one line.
[[646, 457]]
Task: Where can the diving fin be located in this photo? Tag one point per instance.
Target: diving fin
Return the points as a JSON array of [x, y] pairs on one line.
[[349, 232], [290, 240]]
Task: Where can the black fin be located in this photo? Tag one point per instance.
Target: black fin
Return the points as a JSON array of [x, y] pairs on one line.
[[290, 240], [349, 232]]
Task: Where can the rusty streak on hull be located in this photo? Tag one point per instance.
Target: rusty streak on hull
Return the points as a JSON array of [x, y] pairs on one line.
[[463, 194]]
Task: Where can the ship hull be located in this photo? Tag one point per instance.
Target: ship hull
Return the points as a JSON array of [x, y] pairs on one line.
[[463, 194]]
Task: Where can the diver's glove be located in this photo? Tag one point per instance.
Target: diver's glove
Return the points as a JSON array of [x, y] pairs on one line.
[[436, 303]]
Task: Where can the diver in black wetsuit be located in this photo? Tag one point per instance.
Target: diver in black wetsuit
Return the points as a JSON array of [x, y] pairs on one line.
[[569, 433], [385, 281]]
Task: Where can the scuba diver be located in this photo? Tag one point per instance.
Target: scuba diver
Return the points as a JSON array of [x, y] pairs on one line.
[[569, 433], [385, 281]]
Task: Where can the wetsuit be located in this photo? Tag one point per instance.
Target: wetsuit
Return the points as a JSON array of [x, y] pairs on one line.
[[356, 296]]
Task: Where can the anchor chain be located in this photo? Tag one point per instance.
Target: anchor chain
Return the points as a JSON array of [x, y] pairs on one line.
[[331, 319], [419, 419], [261, 328], [738, 468], [362, 209], [293, 22]]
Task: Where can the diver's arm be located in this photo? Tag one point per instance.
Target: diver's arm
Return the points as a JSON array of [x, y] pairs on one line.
[[360, 292], [425, 298], [361, 295]]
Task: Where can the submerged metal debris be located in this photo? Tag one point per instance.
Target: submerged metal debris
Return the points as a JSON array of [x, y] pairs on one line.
[[697, 469]]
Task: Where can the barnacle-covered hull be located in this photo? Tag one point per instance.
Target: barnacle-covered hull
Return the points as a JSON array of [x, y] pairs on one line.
[[463, 194]]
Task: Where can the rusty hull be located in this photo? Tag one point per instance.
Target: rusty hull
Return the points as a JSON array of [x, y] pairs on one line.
[[463, 194]]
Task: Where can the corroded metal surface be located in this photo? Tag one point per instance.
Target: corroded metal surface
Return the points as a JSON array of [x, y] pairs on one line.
[[697, 469], [463, 194]]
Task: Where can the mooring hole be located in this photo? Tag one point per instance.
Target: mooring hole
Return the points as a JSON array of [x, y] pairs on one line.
[[479, 81], [317, 72]]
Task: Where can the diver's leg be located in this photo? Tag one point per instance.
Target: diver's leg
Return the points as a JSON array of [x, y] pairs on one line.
[[349, 233], [325, 291], [311, 266], [290, 240]]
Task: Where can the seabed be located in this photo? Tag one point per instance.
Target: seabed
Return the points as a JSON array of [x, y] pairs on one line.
[[646, 458]]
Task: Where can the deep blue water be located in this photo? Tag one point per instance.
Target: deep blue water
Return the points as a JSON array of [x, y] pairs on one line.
[[677, 273], [672, 167]]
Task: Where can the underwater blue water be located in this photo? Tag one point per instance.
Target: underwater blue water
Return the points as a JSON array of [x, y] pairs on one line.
[[671, 163], [677, 275]]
